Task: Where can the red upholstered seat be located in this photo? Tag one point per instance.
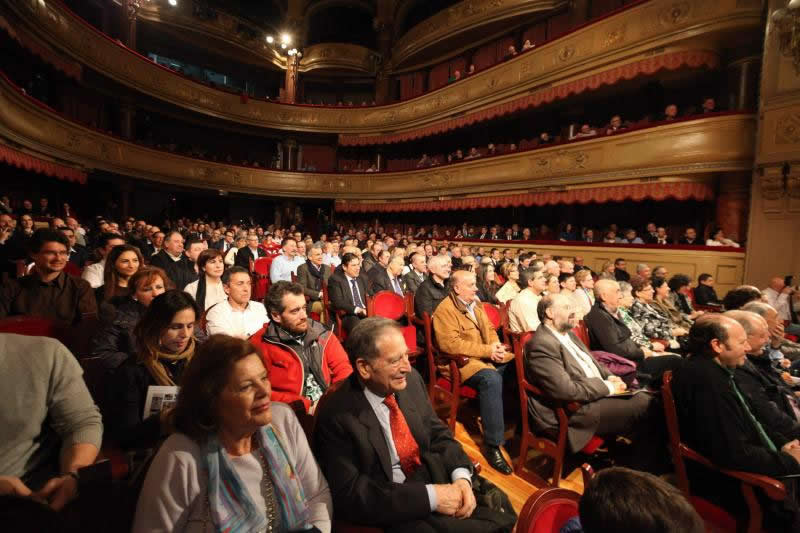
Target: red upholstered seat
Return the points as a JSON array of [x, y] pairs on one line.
[[547, 510], [494, 314], [261, 271], [594, 443], [33, 326], [391, 305], [466, 392], [582, 332]]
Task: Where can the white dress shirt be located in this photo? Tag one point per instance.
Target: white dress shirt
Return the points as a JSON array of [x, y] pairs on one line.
[[583, 359], [779, 301], [522, 314], [282, 268], [94, 274], [215, 293], [331, 260], [222, 318]]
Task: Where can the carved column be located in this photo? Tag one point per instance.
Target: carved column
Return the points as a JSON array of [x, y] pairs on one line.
[[733, 204], [290, 154], [743, 77], [385, 28], [127, 121], [290, 86], [129, 11]]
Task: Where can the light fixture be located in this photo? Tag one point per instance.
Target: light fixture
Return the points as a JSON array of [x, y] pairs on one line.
[[173, 2], [787, 22], [270, 39], [286, 38], [292, 52], [283, 45]]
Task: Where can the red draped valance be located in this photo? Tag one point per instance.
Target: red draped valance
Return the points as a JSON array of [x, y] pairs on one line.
[[70, 68], [636, 193], [41, 166], [672, 61]]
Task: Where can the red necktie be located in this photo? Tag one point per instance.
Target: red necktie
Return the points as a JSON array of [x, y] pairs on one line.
[[407, 448]]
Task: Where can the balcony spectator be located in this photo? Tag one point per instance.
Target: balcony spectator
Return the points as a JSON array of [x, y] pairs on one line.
[[526, 234], [718, 239], [424, 162], [459, 155], [588, 235], [610, 237], [660, 236], [544, 138], [5, 206], [473, 154], [709, 105], [491, 150], [527, 45], [455, 77], [615, 125], [630, 237], [568, 233], [689, 237], [670, 112], [585, 131], [511, 52], [512, 148], [26, 209], [471, 70]]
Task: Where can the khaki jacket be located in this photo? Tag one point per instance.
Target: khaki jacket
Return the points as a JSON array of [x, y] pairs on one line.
[[457, 333]]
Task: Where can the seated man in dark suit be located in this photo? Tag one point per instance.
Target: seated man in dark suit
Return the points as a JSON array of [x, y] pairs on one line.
[[78, 255], [608, 333], [557, 362], [418, 271], [348, 292], [174, 262], [388, 458], [311, 275], [716, 420], [251, 251], [434, 289], [704, 293], [389, 278]]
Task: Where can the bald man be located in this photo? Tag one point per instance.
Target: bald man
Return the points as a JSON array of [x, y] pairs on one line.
[[461, 327], [716, 420], [772, 400], [788, 349], [779, 295], [608, 333]]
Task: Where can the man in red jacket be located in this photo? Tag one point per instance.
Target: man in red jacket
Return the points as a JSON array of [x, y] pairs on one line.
[[302, 356]]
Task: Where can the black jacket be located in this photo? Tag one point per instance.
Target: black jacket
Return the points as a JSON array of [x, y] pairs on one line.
[[715, 423], [114, 341], [80, 256], [181, 272], [428, 296], [381, 281], [412, 281], [768, 397], [244, 255], [610, 334], [621, 275], [340, 295], [704, 295]]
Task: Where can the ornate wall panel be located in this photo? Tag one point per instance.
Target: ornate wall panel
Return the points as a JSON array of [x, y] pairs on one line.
[[702, 146], [727, 267], [340, 56], [652, 28]]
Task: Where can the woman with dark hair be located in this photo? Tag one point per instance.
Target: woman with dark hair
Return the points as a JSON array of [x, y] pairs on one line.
[[662, 302], [122, 262], [114, 341], [208, 290], [680, 285], [237, 461], [567, 233], [510, 272], [654, 324], [165, 344], [718, 239], [487, 282]]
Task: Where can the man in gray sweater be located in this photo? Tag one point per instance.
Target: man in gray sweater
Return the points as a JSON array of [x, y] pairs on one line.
[[49, 424]]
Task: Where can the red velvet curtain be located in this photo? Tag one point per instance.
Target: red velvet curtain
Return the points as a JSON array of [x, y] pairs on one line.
[[558, 25], [602, 7], [40, 166], [536, 34], [438, 76]]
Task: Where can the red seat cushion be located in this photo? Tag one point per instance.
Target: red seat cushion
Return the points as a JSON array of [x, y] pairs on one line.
[[389, 305], [591, 446], [715, 517], [466, 392], [553, 517]]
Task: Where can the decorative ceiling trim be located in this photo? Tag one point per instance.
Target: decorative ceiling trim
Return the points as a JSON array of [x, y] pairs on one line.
[[340, 56]]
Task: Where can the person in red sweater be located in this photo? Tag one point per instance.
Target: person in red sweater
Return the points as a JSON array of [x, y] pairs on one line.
[[303, 357]]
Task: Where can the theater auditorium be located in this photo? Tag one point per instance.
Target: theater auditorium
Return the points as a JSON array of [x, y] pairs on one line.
[[401, 266]]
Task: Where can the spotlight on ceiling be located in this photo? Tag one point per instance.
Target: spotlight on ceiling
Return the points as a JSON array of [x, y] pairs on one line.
[[283, 46], [173, 2], [270, 39], [286, 38], [292, 52]]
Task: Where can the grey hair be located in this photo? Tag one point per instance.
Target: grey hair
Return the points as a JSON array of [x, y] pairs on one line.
[[624, 287], [362, 342], [747, 319], [762, 309]]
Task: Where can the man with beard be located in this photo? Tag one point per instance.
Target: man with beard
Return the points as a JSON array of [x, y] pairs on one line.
[[303, 358]]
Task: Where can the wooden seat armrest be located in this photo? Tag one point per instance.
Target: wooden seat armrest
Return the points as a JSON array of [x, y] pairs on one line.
[[417, 321], [508, 348], [460, 359], [771, 486], [340, 312]]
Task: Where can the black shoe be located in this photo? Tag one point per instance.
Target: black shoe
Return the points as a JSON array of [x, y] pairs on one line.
[[496, 460]]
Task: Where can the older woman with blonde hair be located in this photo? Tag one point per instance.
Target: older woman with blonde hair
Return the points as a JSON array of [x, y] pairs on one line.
[[237, 462], [607, 271], [583, 297], [510, 272]]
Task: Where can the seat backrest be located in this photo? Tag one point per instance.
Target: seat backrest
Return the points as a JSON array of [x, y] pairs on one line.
[[33, 326], [582, 332], [547, 510], [494, 315], [673, 432], [387, 304], [262, 264]]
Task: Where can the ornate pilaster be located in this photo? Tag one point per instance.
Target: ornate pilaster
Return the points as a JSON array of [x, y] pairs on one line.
[[290, 86], [733, 204], [130, 9]]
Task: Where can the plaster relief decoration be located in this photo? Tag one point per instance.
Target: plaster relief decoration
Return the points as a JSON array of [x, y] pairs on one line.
[[439, 180], [613, 38], [772, 187], [561, 161], [676, 14], [566, 53], [787, 129]]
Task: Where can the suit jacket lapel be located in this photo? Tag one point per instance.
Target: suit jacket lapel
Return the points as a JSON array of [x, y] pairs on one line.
[[374, 432]]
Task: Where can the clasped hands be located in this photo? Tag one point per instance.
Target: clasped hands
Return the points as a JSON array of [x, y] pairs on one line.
[[455, 499], [499, 353], [56, 493]]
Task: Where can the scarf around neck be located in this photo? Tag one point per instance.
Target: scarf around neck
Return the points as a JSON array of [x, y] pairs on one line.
[[157, 369]]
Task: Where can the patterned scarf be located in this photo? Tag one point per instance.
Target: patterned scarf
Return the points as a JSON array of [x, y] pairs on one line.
[[157, 368], [231, 507]]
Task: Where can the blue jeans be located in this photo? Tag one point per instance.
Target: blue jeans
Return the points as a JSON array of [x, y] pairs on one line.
[[489, 384]]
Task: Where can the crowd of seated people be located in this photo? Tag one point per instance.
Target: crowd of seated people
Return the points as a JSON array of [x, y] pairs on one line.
[[156, 284]]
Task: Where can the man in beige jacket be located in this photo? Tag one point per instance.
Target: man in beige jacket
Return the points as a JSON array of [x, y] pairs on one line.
[[461, 327]]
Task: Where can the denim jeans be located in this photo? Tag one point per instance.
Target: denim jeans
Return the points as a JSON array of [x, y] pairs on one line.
[[489, 384]]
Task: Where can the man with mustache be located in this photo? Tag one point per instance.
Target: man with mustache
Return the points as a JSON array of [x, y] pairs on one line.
[[302, 356], [48, 291]]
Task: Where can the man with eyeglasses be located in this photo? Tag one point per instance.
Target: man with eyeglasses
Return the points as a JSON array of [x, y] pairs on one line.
[[48, 291]]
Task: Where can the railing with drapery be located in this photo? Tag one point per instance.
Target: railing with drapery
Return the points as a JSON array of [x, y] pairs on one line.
[[41, 166], [635, 193]]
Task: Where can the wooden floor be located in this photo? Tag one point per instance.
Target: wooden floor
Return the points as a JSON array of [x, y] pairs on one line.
[[518, 489]]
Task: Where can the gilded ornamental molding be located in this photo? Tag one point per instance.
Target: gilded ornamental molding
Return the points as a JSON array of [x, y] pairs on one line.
[[215, 24], [696, 147], [340, 56], [655, 27], [464, 16]]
